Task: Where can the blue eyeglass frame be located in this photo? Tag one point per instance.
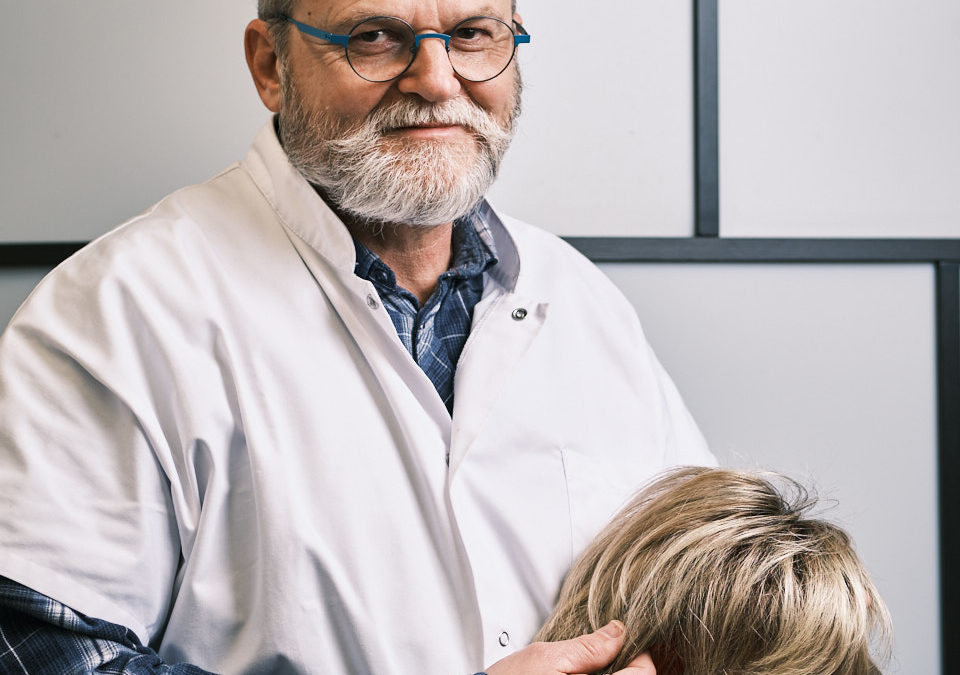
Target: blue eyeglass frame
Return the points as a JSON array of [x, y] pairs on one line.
[[344, 40]]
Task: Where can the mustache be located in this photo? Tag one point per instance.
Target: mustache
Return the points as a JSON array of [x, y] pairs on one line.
[[414, 113]]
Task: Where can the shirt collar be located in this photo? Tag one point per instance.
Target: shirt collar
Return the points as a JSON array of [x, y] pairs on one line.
[[474, 252]]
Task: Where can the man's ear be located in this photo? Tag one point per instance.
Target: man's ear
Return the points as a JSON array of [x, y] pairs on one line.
[[517, 18], [263, 63]]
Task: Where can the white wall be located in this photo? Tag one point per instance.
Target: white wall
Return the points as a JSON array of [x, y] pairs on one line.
[[826, 373], [127, 103], [605, 144], [840, 118], [108, 105], [837, 119]]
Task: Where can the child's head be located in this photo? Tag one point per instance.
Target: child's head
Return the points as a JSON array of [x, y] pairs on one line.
[[719, 572]]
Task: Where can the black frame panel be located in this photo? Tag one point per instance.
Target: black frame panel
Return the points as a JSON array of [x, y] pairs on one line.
[[36, 254], [948, 464], [728, 249], [706, 119]]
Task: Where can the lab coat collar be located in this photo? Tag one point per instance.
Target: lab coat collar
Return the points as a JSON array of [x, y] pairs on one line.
[[296, 202], [305, 213]]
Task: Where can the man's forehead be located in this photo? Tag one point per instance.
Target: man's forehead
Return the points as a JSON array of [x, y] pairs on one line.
[[343, 11]]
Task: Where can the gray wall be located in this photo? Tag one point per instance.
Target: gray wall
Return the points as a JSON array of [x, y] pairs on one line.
[[824, 372], [836, 119], [108, 105]]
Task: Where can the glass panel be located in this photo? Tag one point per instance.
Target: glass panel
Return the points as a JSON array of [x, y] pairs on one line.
[[840, 118], [605, 145], [828, 374], [110, 105]]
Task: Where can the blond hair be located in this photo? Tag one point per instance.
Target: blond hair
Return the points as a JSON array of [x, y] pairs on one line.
[[719, 572]]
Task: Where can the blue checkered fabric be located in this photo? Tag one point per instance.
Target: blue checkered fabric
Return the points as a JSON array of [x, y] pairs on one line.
[[436, 332], [40, 636]]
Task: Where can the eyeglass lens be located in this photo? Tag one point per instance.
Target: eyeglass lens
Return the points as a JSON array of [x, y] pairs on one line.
[[381, 48]]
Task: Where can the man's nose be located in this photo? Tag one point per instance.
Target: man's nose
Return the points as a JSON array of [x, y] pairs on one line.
[[430, 76]]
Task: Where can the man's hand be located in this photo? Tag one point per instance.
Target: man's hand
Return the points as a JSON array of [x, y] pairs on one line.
[[585, 654]]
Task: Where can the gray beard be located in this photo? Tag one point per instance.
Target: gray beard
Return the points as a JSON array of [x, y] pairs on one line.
[[378, 179]]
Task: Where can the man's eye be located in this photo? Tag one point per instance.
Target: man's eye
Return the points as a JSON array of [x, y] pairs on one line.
[[370, 36], [472, 39], [471, 34], [375, 42]]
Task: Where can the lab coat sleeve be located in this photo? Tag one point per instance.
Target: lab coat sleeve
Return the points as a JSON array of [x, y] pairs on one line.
[[85, 509], [684, 442]]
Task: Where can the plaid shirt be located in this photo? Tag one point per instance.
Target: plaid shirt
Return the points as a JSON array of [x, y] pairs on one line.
[[40, 636], [435, 333]]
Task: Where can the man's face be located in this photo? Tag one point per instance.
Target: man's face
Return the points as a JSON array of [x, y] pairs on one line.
[[421, 149]]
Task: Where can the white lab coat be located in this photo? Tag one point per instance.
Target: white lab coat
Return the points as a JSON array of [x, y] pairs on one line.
[[210, 433]]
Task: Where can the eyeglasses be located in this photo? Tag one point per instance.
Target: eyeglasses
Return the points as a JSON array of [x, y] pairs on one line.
[[382, 48]]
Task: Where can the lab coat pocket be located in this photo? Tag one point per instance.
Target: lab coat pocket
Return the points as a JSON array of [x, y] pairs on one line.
[[597, 487], [511, 506]]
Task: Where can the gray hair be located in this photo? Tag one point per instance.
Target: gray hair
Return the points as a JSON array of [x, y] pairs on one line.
[[273, 11]]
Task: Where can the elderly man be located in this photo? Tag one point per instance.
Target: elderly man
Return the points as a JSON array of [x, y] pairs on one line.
[[328, 412]]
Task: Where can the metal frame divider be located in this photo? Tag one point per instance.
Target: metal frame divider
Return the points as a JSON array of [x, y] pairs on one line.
[[706, 117], [948, 461], [707, 245]]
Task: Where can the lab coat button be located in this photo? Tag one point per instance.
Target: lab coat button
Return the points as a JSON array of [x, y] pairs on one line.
[[372, 302], [504, 639], [519, 314]]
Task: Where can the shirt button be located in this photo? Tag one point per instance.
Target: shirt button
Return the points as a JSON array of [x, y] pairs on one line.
[[519, 314], [372, 302], [504, 639]]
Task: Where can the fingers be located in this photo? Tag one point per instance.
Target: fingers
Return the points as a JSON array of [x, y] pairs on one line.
[[642, 665], [585, 654], [594, 651]]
